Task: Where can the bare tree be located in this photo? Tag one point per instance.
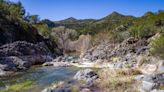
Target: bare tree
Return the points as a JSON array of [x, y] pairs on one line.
[[63, 36]]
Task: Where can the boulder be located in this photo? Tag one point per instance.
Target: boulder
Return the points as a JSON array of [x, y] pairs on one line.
[[147, 86], [161, 67], [150, 82], [37, 59], [23, 48], [139, 77], [13, 63], [150, 65], [157, 78], [148, 68], [5, 73], [87, 75], [9, 65], [21, 55]]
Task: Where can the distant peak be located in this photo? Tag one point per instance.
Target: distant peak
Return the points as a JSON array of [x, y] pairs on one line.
[[71, 18], [149, 13], [115, 14], [68, 20]]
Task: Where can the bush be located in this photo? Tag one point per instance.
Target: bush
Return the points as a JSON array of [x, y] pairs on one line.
[[116, 37], [105, 37], [142, 31], [158, 47]]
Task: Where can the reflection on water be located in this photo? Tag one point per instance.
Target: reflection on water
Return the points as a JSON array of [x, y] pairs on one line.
[[36, 79]]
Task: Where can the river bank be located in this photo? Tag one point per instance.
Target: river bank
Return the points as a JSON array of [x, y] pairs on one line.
[[36, 78]]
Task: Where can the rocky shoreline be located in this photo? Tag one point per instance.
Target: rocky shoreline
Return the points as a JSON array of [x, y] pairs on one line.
[[21, 55], [131, 54]]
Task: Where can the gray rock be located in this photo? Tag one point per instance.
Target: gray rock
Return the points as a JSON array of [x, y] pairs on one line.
[[126, 49], [139, 77], [23, 48], [161, 66], [21, 55], [36, 59], [118, 65], [70, 58], [158, 78], [147, 86], [47, 90], [13, 63], [48, 64], [5, 73], [156, 90], [150, 82], [87, 75]]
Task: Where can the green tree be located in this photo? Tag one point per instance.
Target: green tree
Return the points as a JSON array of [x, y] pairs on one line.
[[34, 19]]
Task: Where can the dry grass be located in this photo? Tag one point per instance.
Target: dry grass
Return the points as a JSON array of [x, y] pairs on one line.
[[161, 87], [117, 80], [111, 80]]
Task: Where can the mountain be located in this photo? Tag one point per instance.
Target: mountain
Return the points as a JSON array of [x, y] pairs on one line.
[[67, 21], [113, 16], [72, 20], [91, 26]]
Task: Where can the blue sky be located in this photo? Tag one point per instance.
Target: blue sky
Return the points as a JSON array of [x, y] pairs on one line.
[[81, 9]]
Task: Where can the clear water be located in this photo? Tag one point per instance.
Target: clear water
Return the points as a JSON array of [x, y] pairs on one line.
[[41, 78]]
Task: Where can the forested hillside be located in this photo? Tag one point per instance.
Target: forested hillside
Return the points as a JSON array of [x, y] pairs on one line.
[[14, 24]]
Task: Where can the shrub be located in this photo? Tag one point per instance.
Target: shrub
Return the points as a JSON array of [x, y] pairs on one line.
[[142, 31], [104, 37], [117, 80], [158, 47], [116, 37]]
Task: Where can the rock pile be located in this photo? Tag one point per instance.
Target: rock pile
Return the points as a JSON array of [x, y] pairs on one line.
[[123, 54]]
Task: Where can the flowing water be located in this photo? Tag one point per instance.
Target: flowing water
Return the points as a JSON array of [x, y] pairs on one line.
[[36, 79]]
